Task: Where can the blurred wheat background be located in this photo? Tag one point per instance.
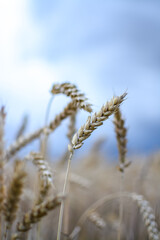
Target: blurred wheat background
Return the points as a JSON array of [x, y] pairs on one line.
[[60, 62]]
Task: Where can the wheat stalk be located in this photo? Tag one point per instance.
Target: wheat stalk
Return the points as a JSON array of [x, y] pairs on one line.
[[121, 133], [71, 90]]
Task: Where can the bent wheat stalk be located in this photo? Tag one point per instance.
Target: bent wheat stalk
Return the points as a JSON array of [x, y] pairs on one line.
[[83, 133]]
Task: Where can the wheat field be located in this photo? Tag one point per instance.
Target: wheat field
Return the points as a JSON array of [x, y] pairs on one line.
[[86, 198]]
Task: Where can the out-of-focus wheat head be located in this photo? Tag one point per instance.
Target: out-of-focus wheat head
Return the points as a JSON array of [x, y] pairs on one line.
[[14, 193], [45, 174], [121, 133], [38, 212]]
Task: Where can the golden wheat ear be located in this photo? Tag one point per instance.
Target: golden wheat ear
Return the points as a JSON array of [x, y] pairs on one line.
[[14, 193], [45, 175], [96, 120], [121, 136], [72, 91], [39, 212]]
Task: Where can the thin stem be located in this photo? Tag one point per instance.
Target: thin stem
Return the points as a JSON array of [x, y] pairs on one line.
[[121, 207], [64, 192]]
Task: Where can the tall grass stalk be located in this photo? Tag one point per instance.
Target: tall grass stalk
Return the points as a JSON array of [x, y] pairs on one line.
[[60, 222]]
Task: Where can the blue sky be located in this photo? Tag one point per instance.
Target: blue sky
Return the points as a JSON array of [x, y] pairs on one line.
[[105, 47]]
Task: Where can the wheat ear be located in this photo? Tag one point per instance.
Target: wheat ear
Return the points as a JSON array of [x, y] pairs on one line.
[[98, 221], [14, 193], [38, 212], [45, 174], [71, 90], [121, 133], [83, 133], [23, 141], [96, 120]]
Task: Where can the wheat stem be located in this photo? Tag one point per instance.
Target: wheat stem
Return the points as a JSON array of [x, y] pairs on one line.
[[64, 192]]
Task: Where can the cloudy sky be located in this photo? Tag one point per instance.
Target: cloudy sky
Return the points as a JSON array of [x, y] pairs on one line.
[[105, 47]]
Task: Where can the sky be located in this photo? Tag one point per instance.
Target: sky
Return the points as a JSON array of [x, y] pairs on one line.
[[104, 47]]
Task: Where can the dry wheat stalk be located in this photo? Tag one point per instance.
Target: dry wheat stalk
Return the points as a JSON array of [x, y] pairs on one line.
[[121, 132], [14, 193], [71, 90], [38, 212], [96, 120], [2, 188], [71, 127], [45, 174], [23, 141], [71, 131]]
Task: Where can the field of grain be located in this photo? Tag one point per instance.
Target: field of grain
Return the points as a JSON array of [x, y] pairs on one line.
[[88, 198]]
